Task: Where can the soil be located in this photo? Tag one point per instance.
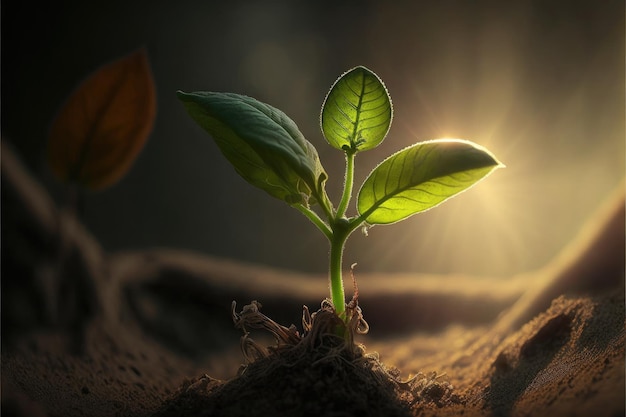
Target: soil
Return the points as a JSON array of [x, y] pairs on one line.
[[149, 333], [293, 377]]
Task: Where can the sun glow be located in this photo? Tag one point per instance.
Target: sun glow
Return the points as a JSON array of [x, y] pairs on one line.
[[520, 217], [515, 220], [555, 121]]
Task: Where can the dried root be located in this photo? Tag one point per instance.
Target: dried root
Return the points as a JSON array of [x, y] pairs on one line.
[[251, 317], [328, 340], [323, 331]]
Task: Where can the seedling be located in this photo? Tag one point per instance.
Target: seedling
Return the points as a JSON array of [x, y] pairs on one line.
[[267, 149]]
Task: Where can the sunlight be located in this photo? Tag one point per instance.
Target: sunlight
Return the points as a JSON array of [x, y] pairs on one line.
[[558, 129], [522, 216]]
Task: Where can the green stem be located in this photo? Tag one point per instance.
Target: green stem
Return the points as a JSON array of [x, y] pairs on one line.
[[347, 186], [341, 230], [315, 219], [337, 243]]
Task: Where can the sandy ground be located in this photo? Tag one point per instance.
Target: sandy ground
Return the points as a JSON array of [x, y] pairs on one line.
[[88, 333]]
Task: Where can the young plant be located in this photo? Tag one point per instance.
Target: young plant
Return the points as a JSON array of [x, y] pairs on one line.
[[267, 149]]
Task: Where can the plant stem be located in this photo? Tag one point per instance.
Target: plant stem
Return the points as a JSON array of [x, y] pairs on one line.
[[337, 294], [347, 186], [341, 229], [315, 219]]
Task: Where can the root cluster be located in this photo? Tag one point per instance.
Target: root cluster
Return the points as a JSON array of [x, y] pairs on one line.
[[327, 339], [321, 371]]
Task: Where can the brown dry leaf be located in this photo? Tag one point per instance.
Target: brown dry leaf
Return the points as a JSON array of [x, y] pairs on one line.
[[104, 124]]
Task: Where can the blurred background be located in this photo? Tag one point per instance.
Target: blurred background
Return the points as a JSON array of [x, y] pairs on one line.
[[540, 83]]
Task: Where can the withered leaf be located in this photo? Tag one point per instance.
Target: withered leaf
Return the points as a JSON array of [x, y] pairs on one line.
[[104, 124]]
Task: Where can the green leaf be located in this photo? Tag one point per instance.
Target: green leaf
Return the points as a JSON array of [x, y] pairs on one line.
[[421, 177], [262, 143], [357, 111]]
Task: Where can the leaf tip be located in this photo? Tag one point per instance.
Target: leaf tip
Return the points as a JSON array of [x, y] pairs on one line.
[[182, 95]]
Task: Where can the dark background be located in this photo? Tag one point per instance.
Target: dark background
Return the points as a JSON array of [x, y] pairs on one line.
[[540, 83]]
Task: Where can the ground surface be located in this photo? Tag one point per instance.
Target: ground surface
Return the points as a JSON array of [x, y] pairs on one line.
[[87, 333]]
